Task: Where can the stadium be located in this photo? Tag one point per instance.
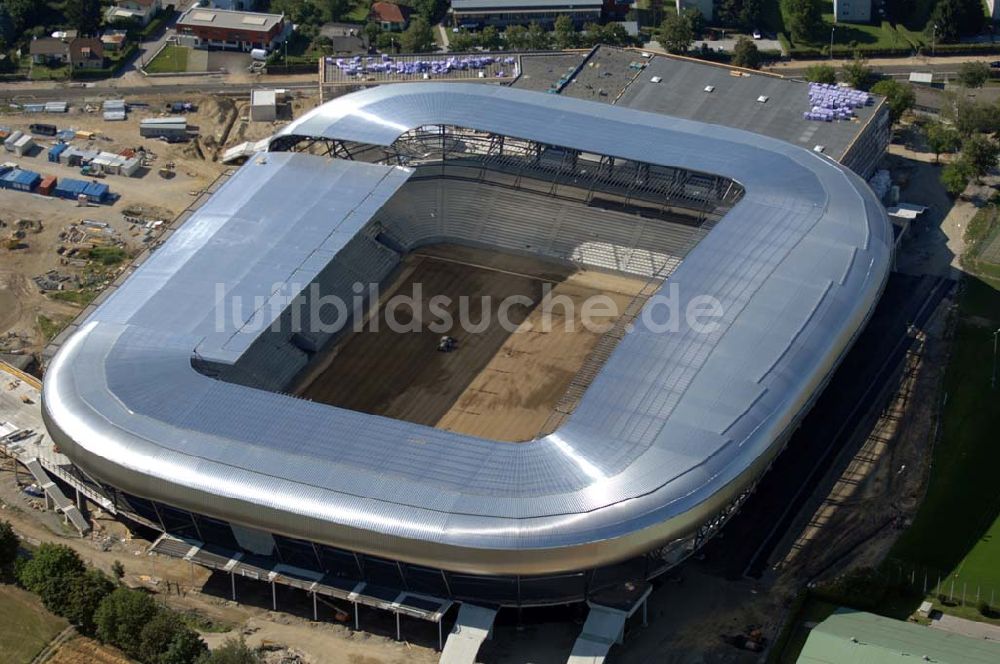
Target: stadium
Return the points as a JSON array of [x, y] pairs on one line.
[[523, 469]]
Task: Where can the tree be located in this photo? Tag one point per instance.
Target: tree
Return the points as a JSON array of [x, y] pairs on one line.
[[696, 19], [564, 32], [803, 18], [49, 572], [234, 651], [9, 544], [745, 54], [185, 648], [84, 15], [426, 9], [613, 34], [386, 41], [83, 597], [749, 16], [676, 34], [821, 74], [980, 153], [952, 19], [8, 33], [462, 41], [970, 117], [899, 97], [941, 138], [159, 634], [372, 30], [538, 38], [121, 616], [973, 74], [336, 10], [489, 38], [857, 73], [516, 37], [418, 38], [955, 177], [23, 14]]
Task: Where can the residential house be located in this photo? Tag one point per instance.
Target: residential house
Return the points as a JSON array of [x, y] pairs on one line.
[[113, 40], [141, 11], [853, 11], [49, 51], [245, 31], [345, 38], [390, 16], [86, 53]]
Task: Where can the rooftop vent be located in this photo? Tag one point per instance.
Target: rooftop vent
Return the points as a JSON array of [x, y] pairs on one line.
[[819, 148], [655, 79], [762, 99], [709, 88]]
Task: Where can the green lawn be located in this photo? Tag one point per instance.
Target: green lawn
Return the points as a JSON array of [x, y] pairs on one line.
[[956, 533], [883, 35], [46, 73], [50, 327], [80, 298], [25, 625], [172, 59]]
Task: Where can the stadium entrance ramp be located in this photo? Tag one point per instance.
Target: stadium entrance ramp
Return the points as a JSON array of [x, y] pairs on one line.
[[605, 626], [472, 626]]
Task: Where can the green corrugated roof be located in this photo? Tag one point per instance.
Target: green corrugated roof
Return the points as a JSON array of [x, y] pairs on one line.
[[854, 637]]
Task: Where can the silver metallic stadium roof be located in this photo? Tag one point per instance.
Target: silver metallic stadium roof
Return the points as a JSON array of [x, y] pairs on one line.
[[675, 425]]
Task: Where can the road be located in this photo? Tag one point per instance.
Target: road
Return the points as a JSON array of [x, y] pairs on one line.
[[214, 84], [944, 68]]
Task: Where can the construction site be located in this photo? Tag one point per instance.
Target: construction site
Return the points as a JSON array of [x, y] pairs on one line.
[[830, 501]]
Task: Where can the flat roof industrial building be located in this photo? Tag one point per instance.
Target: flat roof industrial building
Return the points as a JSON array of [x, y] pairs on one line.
[[625, 77]]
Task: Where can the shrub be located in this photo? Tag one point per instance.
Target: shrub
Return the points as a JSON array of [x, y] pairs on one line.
[[48, 574], [8, 548], [84, 594], [233, 651], [164, 631], [121, 617]]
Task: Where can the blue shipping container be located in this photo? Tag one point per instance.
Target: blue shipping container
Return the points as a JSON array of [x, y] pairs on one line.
[[20, 180], [97, 192], [57, 150], [69, 188]]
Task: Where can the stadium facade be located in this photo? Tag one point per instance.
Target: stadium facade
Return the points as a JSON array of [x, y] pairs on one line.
[[179, 414]]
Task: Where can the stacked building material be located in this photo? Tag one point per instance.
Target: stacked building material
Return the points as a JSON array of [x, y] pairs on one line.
[[834, 102]]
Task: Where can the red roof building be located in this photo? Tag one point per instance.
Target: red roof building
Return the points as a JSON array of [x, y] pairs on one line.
[[390, 16]]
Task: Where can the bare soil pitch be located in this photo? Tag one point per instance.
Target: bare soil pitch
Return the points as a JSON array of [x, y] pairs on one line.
[[498, 384]]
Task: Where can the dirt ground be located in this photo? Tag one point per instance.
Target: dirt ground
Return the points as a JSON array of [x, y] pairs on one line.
[[221, 122], [497, 384], [81, 650], [880, 489]]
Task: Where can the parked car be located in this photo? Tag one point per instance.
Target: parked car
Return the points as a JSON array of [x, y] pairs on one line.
[[757, 35], [995, 64]]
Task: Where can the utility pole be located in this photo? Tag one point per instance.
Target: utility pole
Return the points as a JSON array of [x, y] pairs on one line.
[[832, 28]]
